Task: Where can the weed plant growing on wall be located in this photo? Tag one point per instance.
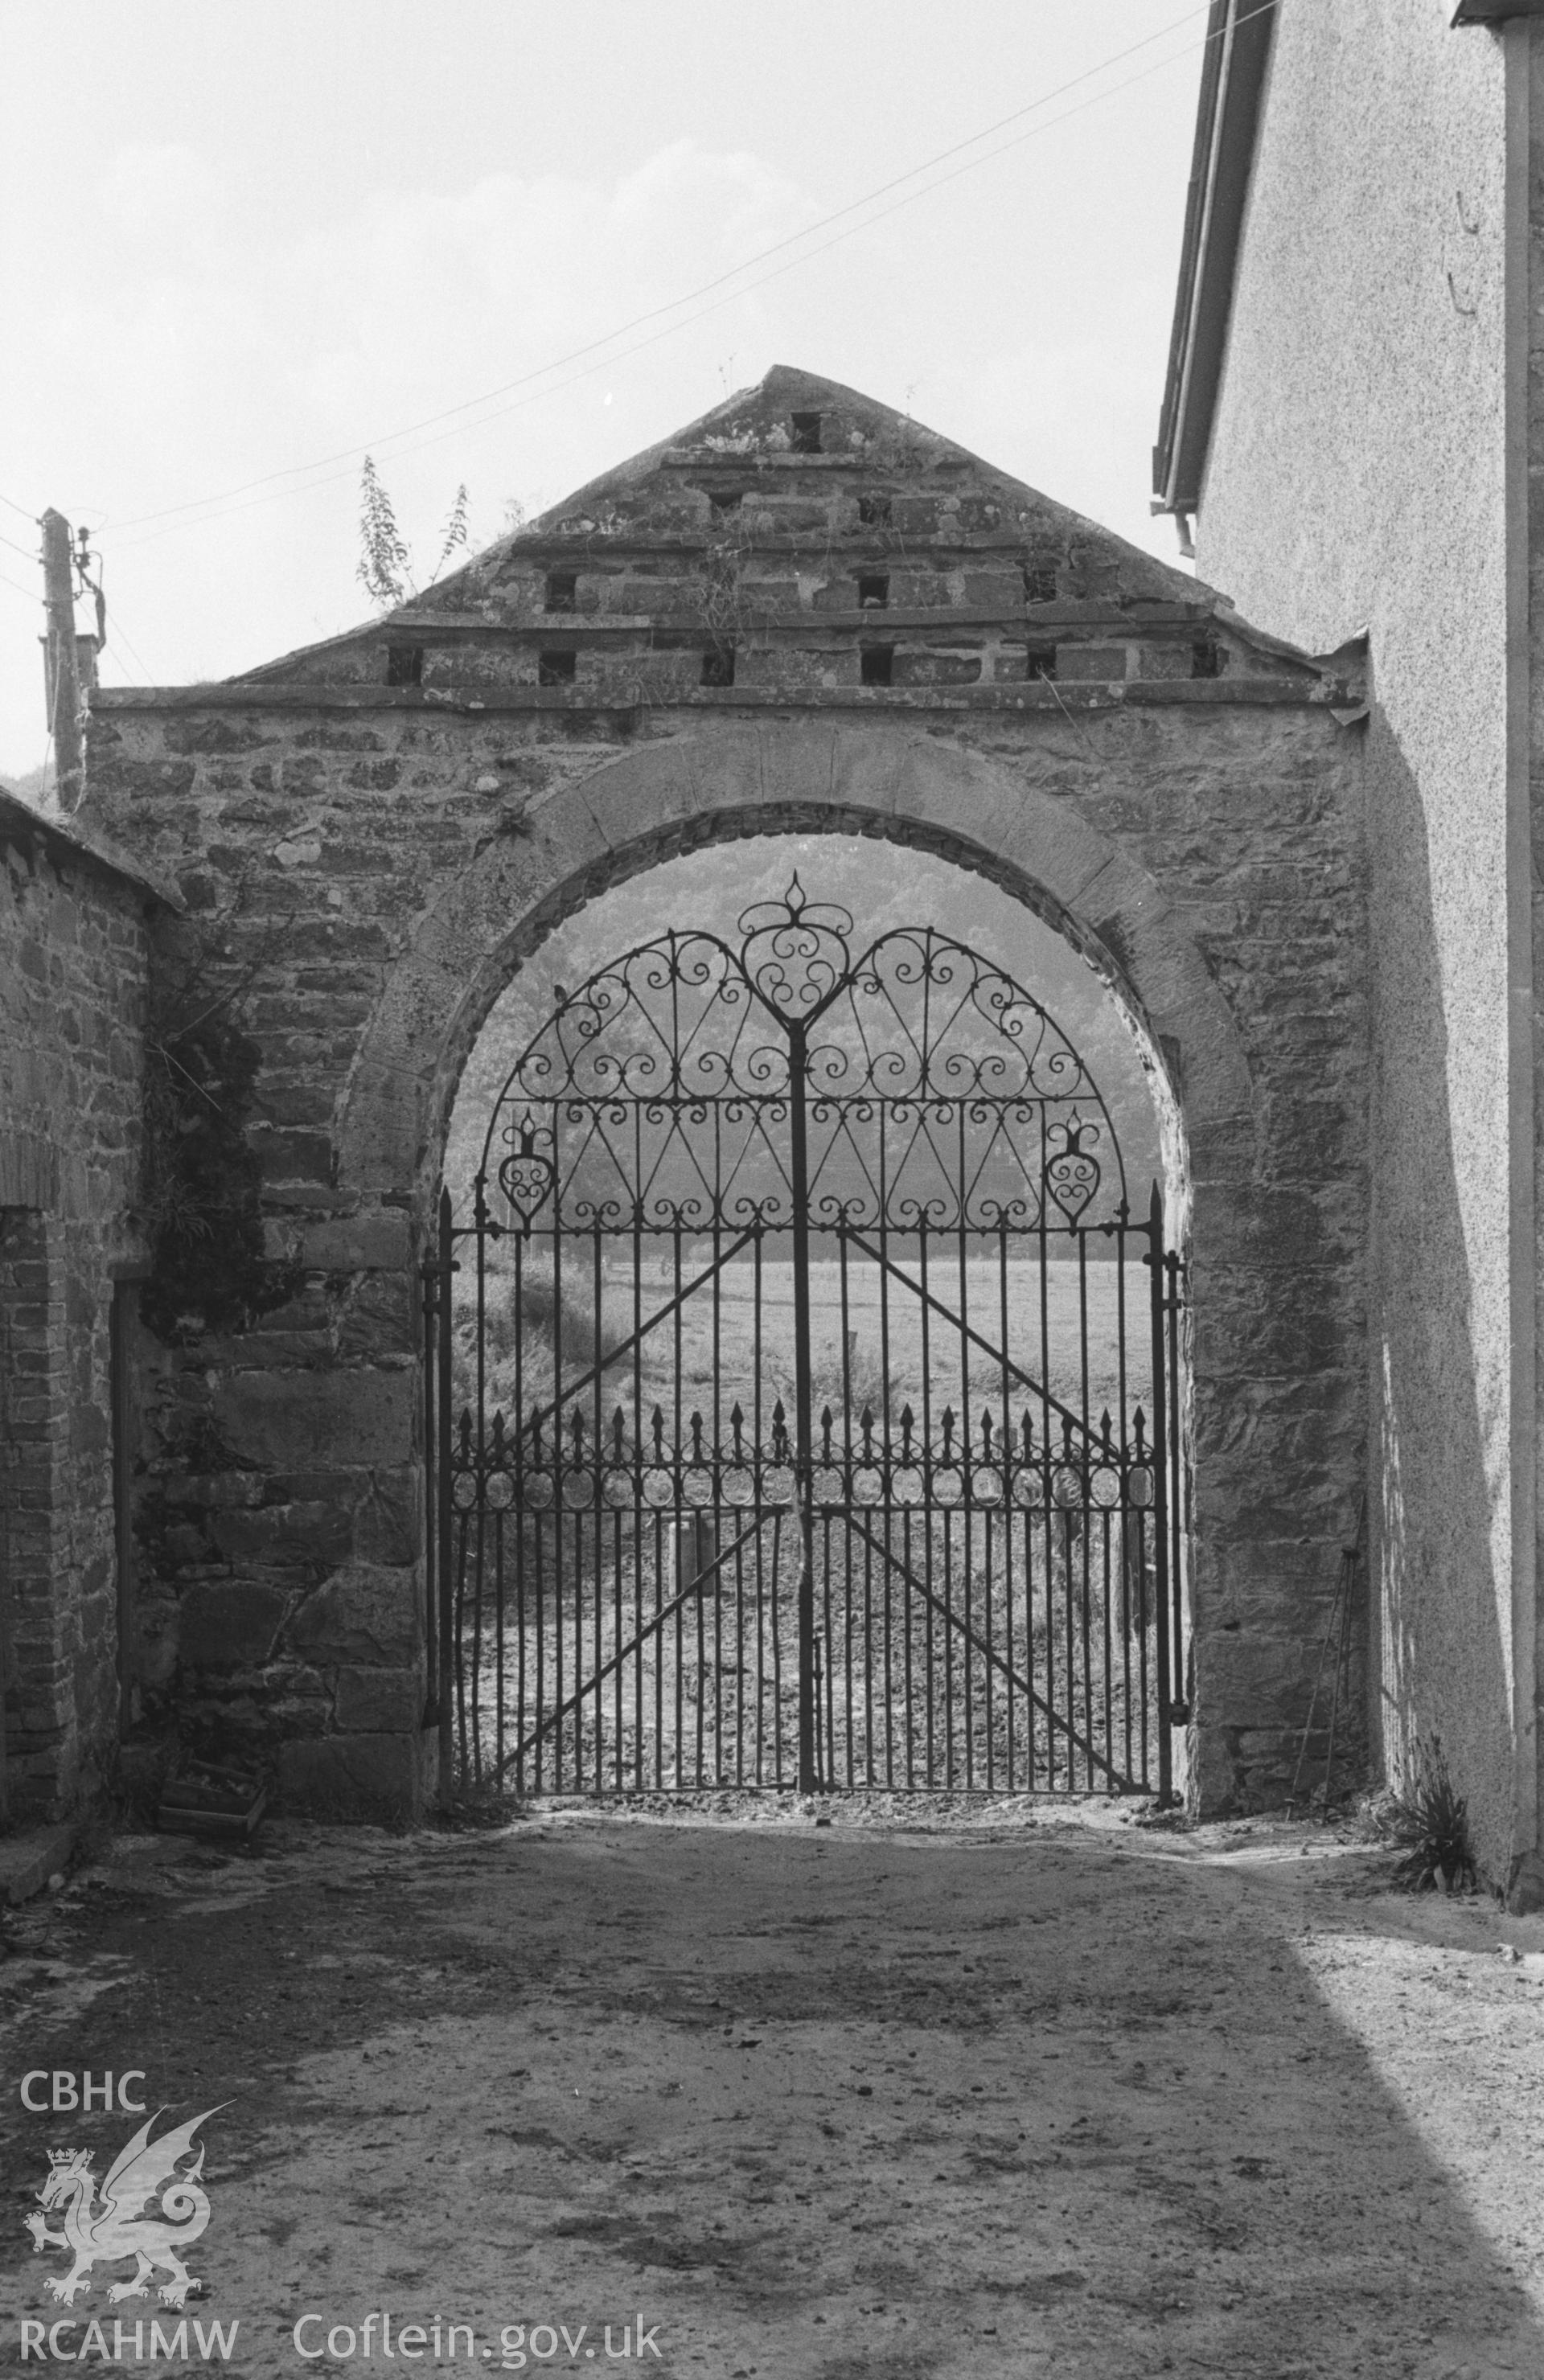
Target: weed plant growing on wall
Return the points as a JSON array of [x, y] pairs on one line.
[[1427, 1823]]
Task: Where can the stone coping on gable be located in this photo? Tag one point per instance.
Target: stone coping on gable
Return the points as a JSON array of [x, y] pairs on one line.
[[1099, 694], [64, 843]]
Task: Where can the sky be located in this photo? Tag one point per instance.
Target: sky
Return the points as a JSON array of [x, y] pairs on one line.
[[507, 245]]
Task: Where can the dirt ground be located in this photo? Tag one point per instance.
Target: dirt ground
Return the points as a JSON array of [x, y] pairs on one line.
[[996, 2092]]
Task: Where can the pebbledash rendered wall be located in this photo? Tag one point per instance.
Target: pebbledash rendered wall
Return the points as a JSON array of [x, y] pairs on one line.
[[370, 861], [73, 973], [1364, 474]]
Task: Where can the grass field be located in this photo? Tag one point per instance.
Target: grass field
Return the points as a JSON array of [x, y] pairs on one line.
[[873, 1336], [994, 1641]]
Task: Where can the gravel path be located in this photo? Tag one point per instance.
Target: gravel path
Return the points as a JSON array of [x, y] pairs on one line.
[[921, 2091]]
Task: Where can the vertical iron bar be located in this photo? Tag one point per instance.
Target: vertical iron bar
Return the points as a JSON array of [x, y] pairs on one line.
[[967, 1519], [1122, 1435], [777, 1647], [846, 1417], [1005, 1453], [498, 1646], [758, 1463], [557, 1478], [431, 1279], [459, 1624], [1161, 1492], [803, 1398], [887, 1470], [638, 1529], [1085, 1513], [674, 1125], [928, 1484], [444, 1621], [1048, 1505], [715, 1454], [659, 1650], [1178, 1681], [479, 1226], [618, 1640], [595, 1524]]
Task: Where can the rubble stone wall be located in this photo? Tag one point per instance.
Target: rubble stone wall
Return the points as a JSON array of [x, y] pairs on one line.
[[369, 865], [73, 976]]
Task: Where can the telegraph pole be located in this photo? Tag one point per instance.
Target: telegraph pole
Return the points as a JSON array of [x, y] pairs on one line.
[[62, 676]]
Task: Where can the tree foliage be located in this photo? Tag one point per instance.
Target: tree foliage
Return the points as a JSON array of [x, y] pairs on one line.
[[455, 529], [384, 564]]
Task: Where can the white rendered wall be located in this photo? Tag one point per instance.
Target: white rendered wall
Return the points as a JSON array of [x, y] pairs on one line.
[[1358, 481]]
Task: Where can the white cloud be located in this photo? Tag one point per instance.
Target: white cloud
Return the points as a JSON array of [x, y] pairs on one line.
[[165, 188], [221, 314]]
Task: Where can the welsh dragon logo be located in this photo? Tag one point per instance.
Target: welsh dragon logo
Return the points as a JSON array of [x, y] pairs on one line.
[[147, 2210]]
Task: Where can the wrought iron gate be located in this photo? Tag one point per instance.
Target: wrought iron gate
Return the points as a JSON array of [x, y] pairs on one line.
[[800, 1391]]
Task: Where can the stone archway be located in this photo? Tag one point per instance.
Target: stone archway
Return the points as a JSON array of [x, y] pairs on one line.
[[742, 631], [645, 806], [651, 804]]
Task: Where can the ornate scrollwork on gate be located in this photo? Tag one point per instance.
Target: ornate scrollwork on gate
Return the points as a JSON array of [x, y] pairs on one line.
[[526, 1174], [795, 955], [940, 1094], [1072, 1173]]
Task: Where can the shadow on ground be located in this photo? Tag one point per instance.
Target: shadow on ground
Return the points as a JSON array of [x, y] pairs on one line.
[[855, 2102]]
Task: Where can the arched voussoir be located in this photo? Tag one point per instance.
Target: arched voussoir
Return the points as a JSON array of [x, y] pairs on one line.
[[996, 819]]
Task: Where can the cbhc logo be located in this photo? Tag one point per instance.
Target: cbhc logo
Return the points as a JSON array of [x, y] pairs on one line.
[[64, 2092]]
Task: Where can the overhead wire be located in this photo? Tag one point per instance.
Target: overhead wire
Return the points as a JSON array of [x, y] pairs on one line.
[[221, 509], [689, 296], [137, 671], [118, 636]]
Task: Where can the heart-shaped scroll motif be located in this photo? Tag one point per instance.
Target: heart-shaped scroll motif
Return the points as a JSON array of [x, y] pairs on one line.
[[1071, 1172], [526, 1174]]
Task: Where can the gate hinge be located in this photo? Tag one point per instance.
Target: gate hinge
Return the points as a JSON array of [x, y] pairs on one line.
[[1178, 1714]]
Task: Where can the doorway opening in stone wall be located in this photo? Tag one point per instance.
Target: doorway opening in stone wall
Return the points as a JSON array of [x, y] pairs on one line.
[[803, 1351]]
